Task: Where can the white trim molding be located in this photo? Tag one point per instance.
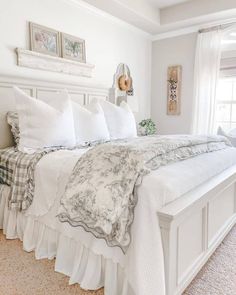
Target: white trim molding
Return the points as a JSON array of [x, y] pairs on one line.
[[175, 33], [189, 27], [39, 61]]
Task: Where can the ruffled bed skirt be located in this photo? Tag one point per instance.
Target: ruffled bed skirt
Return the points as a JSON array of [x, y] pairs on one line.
[[73, 259]]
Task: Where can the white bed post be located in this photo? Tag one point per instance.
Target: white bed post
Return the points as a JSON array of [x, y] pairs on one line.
[[169, 238]]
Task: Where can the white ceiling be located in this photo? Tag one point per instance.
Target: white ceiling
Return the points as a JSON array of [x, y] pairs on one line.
[[161, 17], [165, 3]]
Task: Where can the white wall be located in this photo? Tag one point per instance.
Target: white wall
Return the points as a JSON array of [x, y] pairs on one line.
[[108, 43], [173, 51]]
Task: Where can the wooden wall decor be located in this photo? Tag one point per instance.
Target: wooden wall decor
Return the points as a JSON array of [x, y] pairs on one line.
[[174, 90]]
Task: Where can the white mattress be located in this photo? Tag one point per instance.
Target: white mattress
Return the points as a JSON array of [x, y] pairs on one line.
[[143, 265]]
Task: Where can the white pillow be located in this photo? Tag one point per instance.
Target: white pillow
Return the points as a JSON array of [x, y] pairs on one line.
[[42, 125], [231, 138], [232, 133], [90, 123], [120, 120]]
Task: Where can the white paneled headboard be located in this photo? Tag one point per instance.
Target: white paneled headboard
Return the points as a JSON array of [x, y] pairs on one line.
[[40, 90]]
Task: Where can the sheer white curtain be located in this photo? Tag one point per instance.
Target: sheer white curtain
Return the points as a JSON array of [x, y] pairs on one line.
[[206, 72]]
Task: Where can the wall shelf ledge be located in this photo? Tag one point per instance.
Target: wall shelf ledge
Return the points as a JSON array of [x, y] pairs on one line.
[[39, 61]]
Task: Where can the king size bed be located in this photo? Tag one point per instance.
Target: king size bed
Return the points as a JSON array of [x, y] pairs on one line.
[[152, 243]]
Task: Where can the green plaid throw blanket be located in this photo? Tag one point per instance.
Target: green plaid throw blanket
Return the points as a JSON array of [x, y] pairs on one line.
[[17, 171]]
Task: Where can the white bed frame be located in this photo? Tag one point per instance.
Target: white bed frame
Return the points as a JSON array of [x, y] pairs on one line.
[[192, 226]]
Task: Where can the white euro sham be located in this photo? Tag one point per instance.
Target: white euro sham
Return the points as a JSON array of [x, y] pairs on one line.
[[42, 125]]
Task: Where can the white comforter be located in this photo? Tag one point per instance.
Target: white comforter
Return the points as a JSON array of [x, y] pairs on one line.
[[143, 263]]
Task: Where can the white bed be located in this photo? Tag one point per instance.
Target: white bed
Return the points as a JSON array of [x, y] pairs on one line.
[[173, 201]]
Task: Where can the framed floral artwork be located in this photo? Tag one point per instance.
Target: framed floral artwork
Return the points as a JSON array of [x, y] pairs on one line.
[[44, 40], [73, 48]]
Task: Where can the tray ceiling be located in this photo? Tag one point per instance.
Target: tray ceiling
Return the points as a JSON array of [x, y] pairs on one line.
[[158, 17], [165, 3]]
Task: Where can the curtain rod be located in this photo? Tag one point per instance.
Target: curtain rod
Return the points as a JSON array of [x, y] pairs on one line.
[[218, 27]]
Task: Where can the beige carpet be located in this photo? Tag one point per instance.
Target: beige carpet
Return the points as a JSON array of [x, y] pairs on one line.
[[218, 276], [21, 274]]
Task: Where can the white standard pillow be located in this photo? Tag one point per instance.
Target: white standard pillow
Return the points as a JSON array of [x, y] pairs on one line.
[[42, 125], [90, 123], [120, 120], [232, 133], [230, 137]]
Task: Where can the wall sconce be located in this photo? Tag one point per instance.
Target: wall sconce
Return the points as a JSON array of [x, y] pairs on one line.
[[122, 87]]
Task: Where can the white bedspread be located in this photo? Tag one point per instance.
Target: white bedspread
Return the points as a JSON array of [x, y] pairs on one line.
[[168, 182], [90, 261], [143, 263]]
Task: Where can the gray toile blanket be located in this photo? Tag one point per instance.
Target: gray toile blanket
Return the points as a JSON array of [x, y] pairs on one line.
[[101, 193]]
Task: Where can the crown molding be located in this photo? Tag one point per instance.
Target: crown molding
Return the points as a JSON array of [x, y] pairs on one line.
[[189, 29], [175, 33], [98, 12], [184, 27]]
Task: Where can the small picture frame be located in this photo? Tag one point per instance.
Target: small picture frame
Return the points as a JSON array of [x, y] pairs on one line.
[[73, 48], [44, 40]]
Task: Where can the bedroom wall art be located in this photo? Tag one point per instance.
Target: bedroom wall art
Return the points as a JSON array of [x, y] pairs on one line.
[[73, 47], [48, 41], [44, 40], [174, 80], [54, 51]]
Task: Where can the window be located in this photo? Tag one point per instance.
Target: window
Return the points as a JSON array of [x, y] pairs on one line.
[[226, 103]]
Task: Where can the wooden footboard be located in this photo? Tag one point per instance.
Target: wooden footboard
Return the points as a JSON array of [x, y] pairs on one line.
[[194, 225]]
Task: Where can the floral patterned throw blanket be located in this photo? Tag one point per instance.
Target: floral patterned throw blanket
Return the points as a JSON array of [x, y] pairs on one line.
[[101, 194]]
